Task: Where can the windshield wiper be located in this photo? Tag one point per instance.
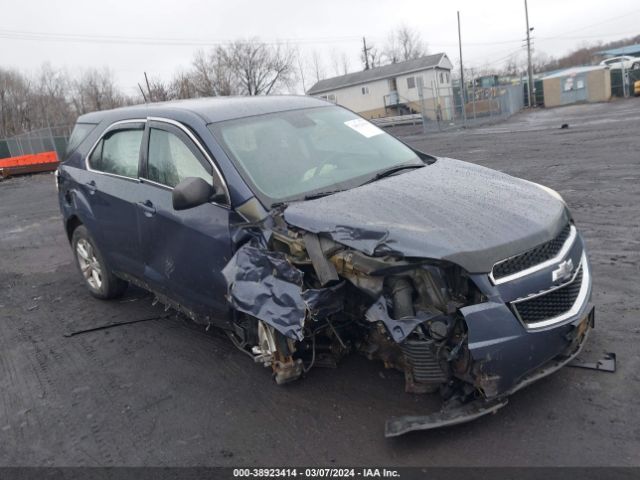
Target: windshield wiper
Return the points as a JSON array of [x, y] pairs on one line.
[[392, 170], [313, 196], [378, 176]]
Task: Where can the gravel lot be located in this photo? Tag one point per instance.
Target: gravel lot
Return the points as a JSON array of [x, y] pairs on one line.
[[165, 393]]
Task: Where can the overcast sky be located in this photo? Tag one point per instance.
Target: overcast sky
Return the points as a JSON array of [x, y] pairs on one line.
[[126, 35]]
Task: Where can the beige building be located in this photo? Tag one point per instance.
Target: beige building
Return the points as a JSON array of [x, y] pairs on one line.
[[395, 89], [577, 84]]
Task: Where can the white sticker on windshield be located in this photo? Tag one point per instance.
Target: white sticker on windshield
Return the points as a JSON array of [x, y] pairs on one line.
[[364, 128]]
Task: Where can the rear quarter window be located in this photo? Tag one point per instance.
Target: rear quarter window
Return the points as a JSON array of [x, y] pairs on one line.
[[80, 132]]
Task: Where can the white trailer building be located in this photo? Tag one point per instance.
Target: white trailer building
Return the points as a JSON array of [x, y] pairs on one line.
[[413, 86]]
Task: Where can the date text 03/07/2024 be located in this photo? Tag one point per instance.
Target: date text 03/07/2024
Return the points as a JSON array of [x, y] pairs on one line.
[[315, 473]]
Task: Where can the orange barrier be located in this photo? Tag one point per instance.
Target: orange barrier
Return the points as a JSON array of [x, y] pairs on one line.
[[25, 160], [39, 162]]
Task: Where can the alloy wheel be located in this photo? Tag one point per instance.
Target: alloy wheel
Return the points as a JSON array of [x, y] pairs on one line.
[[89, 264]]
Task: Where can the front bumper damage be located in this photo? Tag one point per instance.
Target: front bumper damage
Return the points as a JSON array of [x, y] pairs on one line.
[[306, 299], [455, 414]]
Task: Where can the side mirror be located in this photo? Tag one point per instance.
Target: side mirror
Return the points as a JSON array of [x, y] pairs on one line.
[[191, 192]]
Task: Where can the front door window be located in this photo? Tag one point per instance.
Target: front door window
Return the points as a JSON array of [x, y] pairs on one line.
[[171, 160]]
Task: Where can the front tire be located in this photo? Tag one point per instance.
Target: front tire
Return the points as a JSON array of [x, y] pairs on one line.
[[98, 278]]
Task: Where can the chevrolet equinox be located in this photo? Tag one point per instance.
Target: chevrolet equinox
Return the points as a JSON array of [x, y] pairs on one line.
[[307, 233]]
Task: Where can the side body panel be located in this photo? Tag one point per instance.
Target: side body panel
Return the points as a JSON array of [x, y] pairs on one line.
[[184, 251], [113, 201]]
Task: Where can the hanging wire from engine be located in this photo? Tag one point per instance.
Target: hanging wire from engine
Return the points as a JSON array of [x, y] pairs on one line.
[[239, 345], [313, 353]]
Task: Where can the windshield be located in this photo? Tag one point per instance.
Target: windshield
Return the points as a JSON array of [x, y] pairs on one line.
[[289, 155]]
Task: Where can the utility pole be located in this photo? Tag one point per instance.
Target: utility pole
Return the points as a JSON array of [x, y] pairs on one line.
[[366, 53], [529, 67], [464, 114], [142, 92], [146, 79]]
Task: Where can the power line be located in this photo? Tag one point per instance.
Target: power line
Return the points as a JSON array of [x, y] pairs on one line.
[[502, 42], [626, 15], [117, 39], [90, 38], [183, 41], [559, 36], [585, 37], [203, 42], [500, 59]]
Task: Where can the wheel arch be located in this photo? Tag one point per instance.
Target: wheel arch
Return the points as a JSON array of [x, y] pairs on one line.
[[71, 224]]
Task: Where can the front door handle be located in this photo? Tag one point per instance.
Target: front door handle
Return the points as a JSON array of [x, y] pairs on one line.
[[147, 208], [91, 186]]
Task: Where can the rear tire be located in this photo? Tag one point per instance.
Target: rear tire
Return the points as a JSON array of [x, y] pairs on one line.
[[97, 276]]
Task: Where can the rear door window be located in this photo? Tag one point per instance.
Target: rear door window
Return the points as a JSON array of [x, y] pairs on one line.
[[118, 153]]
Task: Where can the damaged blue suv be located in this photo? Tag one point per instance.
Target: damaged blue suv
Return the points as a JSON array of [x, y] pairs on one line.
[[307, 233]]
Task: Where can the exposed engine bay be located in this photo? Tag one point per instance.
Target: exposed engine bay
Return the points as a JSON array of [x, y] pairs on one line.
[[309, 301], [303, 300]]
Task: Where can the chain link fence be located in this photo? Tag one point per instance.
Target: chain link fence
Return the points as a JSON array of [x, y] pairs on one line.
[[437, 112], [622, 84], [434, 111], [36, 141]]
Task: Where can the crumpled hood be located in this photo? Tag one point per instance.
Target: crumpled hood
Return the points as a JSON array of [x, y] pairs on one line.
[[450, 210]]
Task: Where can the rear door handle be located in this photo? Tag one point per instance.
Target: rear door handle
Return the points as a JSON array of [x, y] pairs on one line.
[[91, 186], [147, 207]]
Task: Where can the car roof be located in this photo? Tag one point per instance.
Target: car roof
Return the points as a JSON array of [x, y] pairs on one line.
[[209, 109]]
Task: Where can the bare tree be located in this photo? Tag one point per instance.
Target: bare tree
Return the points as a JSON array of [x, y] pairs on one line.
[[513, 65], [183, 86], [345, 63], [259, 68], [317, 66], [51, 98], [241, 68], [15, 90], [404, 44], [314, 70], [541, 61], [301, 69], [340, 63], [373, 57], [96, 90], [211, 76], [159, 91], [50, 91], [203, 74]]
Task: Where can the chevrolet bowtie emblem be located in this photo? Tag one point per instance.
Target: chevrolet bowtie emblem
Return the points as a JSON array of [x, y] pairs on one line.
[[563, 272]]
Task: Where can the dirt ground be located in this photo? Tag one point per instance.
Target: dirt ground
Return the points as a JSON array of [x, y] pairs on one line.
[[165, 393]]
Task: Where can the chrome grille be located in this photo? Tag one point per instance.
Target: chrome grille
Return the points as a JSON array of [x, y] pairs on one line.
[[532, 257], [551, 304]]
